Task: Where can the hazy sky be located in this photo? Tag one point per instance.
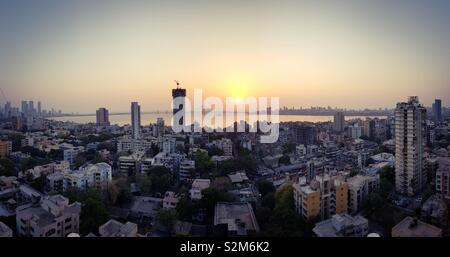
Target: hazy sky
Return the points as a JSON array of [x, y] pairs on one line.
[[81, 55]]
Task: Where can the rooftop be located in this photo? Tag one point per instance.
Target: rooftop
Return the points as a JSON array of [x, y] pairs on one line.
[[410, 227], [238, 216], [113, 228]]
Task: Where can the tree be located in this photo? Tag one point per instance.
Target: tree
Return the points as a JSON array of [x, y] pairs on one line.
[[6, 167], [210, 197], [222, 184], [203, 163], [285, 160], [93, 209], [168, 218], [277, 215], [161, 179], [144, 182], [265, 187], [214, 150], [374, 201], [119, 191], [353, 172], [288, 148]]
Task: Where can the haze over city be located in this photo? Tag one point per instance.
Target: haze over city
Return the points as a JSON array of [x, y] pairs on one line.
[[77, 55]]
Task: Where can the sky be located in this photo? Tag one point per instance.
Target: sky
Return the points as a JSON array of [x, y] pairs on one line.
[[81, 55]]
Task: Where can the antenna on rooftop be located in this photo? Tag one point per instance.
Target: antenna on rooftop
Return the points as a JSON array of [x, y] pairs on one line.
[[178, 84]]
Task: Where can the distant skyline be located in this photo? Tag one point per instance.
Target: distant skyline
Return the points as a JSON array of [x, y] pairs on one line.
[[81, 55]]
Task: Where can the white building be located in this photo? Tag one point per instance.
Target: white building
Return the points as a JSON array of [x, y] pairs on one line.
[[53, 218], [197, 187], [342, 225], [70, 154], [410, 140], [98, 176]]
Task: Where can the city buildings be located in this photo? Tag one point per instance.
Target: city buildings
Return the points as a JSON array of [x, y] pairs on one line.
[[359, 187], [342, 225], [97, 176], [136, 120], [102, 116], [412, 227], [55, 217], [321, 198], [443, 178], [339, 122], [5, 148], [437, 110], [410, 139]]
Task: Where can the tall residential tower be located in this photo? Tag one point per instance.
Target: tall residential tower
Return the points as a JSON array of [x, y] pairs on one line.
[[410, 139], [136, 120]]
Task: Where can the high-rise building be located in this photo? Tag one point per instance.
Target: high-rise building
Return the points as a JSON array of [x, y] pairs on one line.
[[437, 110], [136, 120], [102, 117], [31, 107], [339, 122], [410, 139], [158, 128], [39, 109], [24, 107], [179, 93]]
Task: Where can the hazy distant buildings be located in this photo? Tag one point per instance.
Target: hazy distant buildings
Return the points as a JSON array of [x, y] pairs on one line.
[[136, 120], [39, 109], [437, 110], [103, 117], [339, 122], [410, 139], [158, 128]]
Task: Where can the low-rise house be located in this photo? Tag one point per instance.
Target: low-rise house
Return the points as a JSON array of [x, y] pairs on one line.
[[197, 187], [342, 225], [146, 207], [412, 227], [113, 228], [235, 219], [54, 217], [170, 200]]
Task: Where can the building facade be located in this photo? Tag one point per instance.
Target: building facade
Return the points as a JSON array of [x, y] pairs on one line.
[[410, 139]]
